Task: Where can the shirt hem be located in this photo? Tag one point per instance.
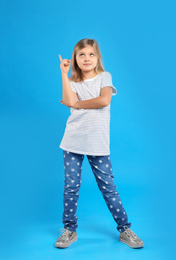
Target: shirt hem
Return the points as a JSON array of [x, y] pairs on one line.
[[85, 153]]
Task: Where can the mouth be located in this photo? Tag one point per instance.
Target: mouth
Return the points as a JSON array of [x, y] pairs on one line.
[[87, 64]]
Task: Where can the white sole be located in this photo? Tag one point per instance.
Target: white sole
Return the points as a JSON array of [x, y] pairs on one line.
[[73, 240], [124, 241]]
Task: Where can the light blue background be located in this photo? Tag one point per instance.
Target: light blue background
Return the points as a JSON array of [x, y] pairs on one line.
[[137, 42]]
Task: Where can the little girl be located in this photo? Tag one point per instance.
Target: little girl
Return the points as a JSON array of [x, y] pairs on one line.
[[88, 93]]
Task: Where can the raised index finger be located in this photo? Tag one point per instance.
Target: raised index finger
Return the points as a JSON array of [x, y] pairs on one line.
[[60, 57]]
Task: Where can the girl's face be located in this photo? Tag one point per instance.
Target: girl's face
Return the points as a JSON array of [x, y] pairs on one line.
[[86, 58]]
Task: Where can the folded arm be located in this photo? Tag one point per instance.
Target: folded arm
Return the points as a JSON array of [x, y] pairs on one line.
[[103, 100]]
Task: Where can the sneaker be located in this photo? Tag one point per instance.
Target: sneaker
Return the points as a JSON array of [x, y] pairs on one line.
[[66, 238], [130, 238]]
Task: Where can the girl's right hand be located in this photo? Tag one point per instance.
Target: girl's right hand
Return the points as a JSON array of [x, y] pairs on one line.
[[64, 65]]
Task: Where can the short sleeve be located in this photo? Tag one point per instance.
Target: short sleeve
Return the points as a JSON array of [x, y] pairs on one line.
[[72, 85], [107, 82]]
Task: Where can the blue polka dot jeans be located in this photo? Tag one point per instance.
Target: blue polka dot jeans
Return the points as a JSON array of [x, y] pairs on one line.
[[102, 169]]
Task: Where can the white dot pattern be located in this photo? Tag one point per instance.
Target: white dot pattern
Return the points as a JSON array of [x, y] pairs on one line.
[[101, 167]]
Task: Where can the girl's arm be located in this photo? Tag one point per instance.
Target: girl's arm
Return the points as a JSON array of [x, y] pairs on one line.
[[91, 103], [103, 100], [88, 104], [69, 97]]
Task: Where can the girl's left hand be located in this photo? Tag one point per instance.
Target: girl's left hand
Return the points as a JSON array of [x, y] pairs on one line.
[[74, 106], [62, 102]]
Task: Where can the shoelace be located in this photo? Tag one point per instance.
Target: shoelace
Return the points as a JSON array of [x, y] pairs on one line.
[[132, 234], [62, 230]]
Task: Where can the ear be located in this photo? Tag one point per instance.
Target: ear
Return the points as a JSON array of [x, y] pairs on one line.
[[106, 93]]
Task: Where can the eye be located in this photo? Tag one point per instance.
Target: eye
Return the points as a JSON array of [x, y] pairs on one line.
[[83, 54]]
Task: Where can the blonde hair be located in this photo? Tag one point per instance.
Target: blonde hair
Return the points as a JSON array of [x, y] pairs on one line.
[[76, 75]]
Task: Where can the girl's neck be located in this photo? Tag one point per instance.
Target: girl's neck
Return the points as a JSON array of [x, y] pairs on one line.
[[89, 74]]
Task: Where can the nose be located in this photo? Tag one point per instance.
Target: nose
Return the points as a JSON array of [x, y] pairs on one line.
[[86, 58]]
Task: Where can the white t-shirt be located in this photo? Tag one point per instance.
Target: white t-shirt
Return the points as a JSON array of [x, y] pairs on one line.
[[88, 130]]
